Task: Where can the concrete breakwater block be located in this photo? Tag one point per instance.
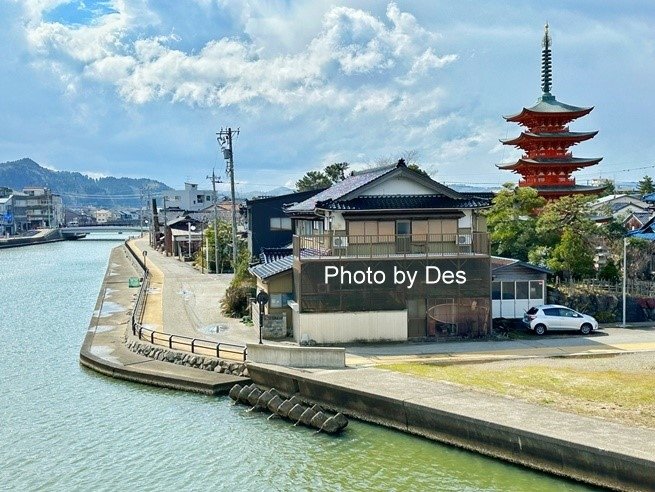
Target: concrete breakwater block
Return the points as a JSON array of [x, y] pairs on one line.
[[293, 409]]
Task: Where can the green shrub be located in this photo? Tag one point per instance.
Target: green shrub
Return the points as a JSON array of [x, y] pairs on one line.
[[605, 317], [235, 302]]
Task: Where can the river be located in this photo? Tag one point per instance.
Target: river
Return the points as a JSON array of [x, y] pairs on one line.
[[67, 428]]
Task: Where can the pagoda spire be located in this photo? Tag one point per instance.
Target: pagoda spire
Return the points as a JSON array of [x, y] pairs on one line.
[[546, 63]]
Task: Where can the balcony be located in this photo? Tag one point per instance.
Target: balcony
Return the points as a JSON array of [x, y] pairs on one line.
[[340, 246]]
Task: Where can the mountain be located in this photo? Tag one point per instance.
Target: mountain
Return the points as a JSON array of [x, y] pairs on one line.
[[77, 189], [280, 190]]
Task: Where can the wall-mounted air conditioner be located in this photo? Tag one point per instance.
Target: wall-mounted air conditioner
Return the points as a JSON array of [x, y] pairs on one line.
[[339, 242], [464, 239]]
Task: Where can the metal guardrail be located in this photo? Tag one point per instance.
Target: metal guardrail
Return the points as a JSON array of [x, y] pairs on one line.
[[197, 346]]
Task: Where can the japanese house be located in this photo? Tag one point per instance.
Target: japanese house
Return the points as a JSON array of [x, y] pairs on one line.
[[385, 221]]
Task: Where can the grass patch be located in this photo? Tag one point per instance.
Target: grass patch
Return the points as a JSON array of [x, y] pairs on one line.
[[627, 397]]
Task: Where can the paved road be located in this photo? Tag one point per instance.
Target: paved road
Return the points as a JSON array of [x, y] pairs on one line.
[[190, 301], [189, 305]]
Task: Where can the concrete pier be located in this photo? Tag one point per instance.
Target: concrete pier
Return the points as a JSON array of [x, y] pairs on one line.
[[104, 350]]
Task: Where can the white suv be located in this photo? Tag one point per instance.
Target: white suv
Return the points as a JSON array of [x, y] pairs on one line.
[[553, 317]]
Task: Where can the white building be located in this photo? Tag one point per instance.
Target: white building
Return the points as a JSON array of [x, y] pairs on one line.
[[190, 199], [103, 216]]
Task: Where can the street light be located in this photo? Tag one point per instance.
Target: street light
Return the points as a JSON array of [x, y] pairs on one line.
[[191, 228], [625, 275], [262, 300]]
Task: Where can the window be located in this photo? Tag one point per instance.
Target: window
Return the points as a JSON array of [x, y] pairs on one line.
[[200, 198], [280, 300], [551, 312], [536, 290], [403, 227], [522, 290], [280, 224], [495, 291], [208, 198], [508, 291]]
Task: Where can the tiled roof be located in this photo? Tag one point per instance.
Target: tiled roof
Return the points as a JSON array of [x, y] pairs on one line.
[[266, 270], [548, 104], [559, 161], [269, 255], [531, 136], [337, 190], [402, 202]]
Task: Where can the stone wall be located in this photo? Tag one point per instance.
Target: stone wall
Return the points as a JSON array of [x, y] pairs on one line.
[[203, 362], [606, 307]]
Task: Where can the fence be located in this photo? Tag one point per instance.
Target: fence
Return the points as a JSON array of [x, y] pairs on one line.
[[179, 342], [643, 288], [340, 245]]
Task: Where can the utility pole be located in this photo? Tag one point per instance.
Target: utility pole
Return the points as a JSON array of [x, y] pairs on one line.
[[225, 140], [214, 180], [165, 232]]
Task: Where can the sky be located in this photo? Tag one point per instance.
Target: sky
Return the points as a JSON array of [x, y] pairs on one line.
[[140, 88]]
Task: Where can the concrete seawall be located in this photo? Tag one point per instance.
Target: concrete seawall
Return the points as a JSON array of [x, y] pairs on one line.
[[103, 349], [293, 356], [620, 466]]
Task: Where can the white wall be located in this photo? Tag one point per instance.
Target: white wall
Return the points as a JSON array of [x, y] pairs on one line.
[[348, 327], [399, 186]]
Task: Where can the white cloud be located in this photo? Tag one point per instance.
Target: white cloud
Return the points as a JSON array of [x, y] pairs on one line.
[[351, 44]]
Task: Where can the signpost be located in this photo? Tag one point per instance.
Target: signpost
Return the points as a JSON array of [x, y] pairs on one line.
[[262, 300], [145, 268]]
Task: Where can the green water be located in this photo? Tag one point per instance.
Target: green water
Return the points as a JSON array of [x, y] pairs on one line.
[[66, 428]]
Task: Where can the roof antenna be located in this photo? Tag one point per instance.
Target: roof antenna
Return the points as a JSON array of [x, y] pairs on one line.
[[546, 63]]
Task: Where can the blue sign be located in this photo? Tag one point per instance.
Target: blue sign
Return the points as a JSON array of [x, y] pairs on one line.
[[9, 217]]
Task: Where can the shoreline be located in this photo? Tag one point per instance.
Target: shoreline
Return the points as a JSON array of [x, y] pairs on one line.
[[580, 448]]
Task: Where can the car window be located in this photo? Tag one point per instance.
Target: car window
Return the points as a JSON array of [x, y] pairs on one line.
[[551, 312], [567, 313]]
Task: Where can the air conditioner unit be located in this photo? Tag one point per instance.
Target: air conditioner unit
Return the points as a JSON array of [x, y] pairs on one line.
[[463, 239], [339, 242]]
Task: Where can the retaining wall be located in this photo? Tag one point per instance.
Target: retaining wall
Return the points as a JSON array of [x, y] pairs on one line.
[[560, 457], [292, 356]]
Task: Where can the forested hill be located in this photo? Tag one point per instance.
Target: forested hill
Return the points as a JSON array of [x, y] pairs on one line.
[[78, 189]]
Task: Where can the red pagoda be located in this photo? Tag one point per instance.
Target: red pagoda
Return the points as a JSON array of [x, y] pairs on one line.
[[547, 163]]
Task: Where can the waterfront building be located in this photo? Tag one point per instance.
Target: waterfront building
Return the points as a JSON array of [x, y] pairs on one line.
[[104, 216], [547, 163], [37, 207], [387, 254], [268, 224], [190, 199], [7, 223]]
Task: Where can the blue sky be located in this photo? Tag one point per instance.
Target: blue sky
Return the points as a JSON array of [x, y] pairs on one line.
[[138, 88]]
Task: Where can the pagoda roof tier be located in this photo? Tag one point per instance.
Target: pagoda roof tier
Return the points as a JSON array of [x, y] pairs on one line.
[[569, 162], [555, 191], [530, 137], [547, 106]]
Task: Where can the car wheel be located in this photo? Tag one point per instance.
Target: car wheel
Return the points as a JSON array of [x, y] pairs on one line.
[[585, 329], [540, 329]]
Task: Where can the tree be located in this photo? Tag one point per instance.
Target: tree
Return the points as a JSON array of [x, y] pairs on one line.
[[569, 212], [322, 179], [224, 233], [312, 181], [609, 272], [610, 188], [337, 171], [242, 287], [511, 221], [646, 185], [572, 257]]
